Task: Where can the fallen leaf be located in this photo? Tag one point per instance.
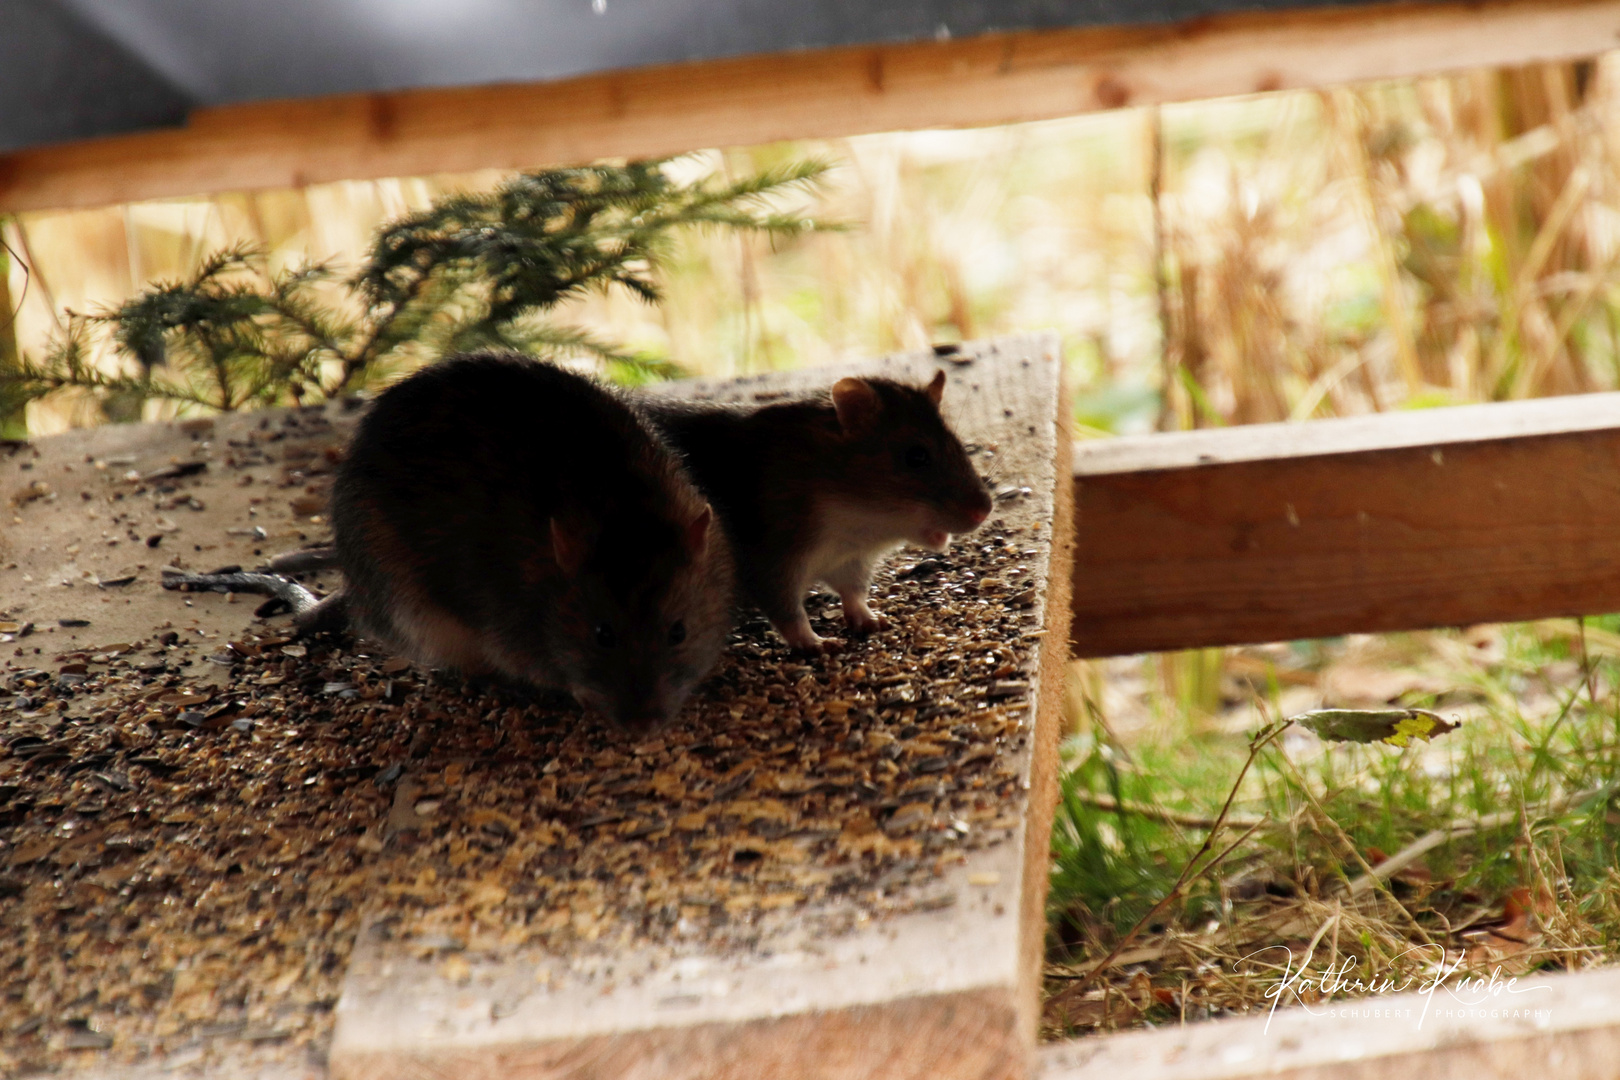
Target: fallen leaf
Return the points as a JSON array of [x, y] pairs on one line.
[[1508, 943], [1397, 727]]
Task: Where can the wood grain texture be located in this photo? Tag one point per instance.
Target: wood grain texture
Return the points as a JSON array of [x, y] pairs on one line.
[[939, 991], [1443, 518], [990, 79], [1564, 1026]]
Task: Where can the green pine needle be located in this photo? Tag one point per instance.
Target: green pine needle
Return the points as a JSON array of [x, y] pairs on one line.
[[473, 271]]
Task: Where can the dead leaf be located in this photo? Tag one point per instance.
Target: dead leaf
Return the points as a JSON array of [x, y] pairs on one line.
[[1397, 727], [1508, 944]]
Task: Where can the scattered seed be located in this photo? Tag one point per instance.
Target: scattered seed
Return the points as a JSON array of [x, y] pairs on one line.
[[734, 785], [793, 790], [175, 471], [86, 1039], [1008, 688]]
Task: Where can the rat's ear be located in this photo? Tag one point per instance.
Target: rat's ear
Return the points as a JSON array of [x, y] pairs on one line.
[[857, 403], [936, 389], [569, 544], [697, 532]]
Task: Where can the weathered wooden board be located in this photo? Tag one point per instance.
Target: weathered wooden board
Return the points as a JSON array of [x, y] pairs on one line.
[[1566, 1027], [991, 79], [1280, 531], [933, 974], [168, 838]]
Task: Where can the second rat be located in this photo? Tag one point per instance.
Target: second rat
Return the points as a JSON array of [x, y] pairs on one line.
[[818, 489]]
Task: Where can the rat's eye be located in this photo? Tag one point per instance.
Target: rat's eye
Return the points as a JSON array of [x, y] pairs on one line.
[[918, 457], [677, 632], [605, 636]]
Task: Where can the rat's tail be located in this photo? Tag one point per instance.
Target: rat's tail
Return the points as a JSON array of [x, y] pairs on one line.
[[311, 614], [305, 560]]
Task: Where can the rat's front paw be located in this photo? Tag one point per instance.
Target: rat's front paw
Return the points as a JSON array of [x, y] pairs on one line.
[[862, 619], [812, 644], [818, 646], [801, 637], [865, 622]]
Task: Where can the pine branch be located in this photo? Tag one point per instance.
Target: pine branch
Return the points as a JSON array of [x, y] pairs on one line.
[[473, 270]]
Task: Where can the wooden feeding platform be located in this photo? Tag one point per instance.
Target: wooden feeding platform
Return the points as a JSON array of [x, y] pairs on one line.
[[831, 864], [217, 846]]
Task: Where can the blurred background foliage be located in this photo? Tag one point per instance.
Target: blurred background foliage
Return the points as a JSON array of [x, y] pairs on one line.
[[1283, 256]]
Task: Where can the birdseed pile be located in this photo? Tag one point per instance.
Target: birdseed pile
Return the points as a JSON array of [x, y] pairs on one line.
[[194, 831]]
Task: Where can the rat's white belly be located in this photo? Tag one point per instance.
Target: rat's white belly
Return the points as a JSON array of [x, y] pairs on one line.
[[850, 536], [829, 559]]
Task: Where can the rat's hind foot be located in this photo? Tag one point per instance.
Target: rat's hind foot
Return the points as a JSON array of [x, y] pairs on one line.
[[329, 615]]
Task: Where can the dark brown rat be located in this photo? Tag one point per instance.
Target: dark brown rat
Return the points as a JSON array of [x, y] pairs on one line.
[[501, 515], [819, 489]]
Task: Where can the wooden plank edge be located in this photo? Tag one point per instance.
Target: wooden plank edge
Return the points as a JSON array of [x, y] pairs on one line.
[[1438, 427], [983, 80], [913, 1037], [1566, 1026], [1045, 766]]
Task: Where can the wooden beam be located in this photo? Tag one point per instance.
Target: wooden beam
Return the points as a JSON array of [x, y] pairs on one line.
[[939, 980], [1273, 532], [991, 79], [1561, 1026]]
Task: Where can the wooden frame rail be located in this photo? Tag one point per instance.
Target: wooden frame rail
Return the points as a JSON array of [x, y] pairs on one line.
[[1443, 517], [989, 79], [1564, 1026]]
